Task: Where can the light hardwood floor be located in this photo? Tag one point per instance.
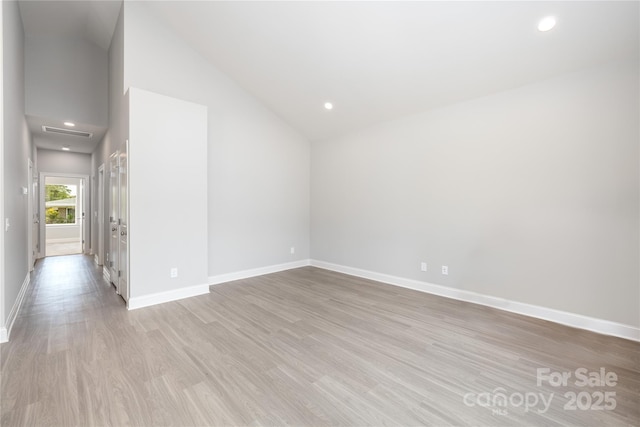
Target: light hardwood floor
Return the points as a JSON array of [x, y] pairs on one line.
[[306, 347]]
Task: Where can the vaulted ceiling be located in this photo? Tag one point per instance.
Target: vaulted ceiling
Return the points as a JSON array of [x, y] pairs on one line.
[[375, 61]]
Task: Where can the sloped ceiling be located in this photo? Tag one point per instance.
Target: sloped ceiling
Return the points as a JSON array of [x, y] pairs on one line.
[[376, 61], [380, 60]]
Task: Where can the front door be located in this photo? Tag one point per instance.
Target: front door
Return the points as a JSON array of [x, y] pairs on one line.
[[114, 215]]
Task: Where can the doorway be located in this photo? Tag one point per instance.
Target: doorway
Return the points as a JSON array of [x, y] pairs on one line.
[[100, 225], [118, 254], [34, 216], [63, 214]]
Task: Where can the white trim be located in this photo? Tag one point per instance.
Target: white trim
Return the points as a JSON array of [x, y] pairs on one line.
[[5, 333], [101, 211], [30, 210], [245, 274], [167, 296], [601, 326], [113, 253], [105, 273]]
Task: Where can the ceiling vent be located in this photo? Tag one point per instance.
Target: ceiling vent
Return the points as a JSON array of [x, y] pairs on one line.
[[60, 131]]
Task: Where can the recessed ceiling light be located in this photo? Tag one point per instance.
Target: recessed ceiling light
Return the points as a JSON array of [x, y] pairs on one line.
[[547, 23], [70, 124], [328, 105], [66, 148]]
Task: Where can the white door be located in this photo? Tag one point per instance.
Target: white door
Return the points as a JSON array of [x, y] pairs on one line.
[[101, 215], [80, 212], [123, 284], [35, 195], [114, 214], [34, 215]]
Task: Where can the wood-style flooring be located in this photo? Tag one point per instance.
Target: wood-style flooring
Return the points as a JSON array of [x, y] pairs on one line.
[[305, 347]]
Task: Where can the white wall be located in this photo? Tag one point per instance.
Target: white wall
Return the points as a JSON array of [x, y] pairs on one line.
[[64, 162], [531, 195], [57, 233], [17, 148], [115, 135], [258, 167], [3, 329], [167, 194], [66, 79]]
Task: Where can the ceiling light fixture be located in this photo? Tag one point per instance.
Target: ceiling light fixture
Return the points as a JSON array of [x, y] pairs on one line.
[[66, 148], [70, 124], [328, 106], [547, 23]]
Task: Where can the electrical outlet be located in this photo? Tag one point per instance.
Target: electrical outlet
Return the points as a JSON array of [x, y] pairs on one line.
[[445, 270], [423, 266], [174, 272], [293, 250]]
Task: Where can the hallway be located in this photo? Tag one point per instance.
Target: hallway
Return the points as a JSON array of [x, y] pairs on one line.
[[69, 315]]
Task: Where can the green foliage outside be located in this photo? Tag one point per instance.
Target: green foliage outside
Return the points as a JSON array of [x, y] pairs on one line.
[[63, 215], [53, 216], [56, 192]]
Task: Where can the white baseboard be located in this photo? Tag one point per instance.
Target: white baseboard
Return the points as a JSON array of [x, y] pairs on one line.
[[105, 274], [245, 274], [5, 332], [167, 296], [558, 316]]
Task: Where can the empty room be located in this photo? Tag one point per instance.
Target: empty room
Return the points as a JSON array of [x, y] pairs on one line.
[[318, 213]]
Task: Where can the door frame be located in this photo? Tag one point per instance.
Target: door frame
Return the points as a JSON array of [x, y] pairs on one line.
[[113, 252], [86, 201], [32, 254], [123, 241], [100, 208]]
